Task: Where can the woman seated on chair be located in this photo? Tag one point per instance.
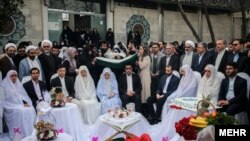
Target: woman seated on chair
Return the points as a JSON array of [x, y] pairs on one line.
[[85, 92], [209, 84], [107, 90], [18, 109]]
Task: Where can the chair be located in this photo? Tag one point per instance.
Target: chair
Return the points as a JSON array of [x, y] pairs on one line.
[[221, 75], [176, 73], [198, 76], [26, 79], [243, 116], [53, 76]]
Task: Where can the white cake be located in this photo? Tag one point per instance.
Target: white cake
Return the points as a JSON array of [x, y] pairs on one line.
[[189, 103]]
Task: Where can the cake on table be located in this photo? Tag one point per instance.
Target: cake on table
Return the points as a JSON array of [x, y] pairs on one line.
[[189, 103]]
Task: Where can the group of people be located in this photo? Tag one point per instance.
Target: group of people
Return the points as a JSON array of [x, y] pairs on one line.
[[159, 75]]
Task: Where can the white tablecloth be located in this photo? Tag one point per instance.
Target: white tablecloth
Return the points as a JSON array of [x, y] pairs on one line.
[[104, 131], [69, 118], [166, 128], [60, 137]]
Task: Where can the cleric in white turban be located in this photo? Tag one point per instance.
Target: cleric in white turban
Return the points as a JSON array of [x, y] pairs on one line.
[[9, 45], [187, 58], [28, 48]]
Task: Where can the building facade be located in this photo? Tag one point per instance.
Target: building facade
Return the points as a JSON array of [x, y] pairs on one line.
[[156, 20]]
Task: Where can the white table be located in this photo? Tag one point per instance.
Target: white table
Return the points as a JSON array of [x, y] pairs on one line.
[[69, 118], [60, 137], [103, 130]]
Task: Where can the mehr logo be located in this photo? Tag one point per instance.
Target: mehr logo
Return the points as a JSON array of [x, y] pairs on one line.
[[232, 132]]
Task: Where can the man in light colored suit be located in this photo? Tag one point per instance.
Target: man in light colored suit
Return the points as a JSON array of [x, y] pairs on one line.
[[30, 62]]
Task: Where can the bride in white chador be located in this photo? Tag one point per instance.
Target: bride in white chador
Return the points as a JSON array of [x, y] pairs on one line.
[[18, 109], [210, 83], [85, 92]]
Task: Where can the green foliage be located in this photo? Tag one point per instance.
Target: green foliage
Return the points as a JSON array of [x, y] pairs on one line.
[[221, 119], [10, 7]]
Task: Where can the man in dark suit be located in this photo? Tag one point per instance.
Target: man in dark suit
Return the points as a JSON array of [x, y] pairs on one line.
[[167, 86], [6, 62], [63, 81], [170, 59], [202, 59], [130, 88], [220, 57], [35, 87], [48, 61], [237, 56], [233, 91]]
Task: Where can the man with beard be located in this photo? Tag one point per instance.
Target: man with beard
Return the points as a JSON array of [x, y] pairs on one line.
[[48, 61], [6, 63], [35, 87], [30, 62], [167, 86], [20, 53], [233, 90]]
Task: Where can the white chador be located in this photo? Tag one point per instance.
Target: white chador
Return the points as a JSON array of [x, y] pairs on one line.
[[85, 92], [16, 114]]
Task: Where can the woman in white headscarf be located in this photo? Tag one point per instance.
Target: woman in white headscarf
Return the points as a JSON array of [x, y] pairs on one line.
[[210, 83], [1, 103], [70, 62], [18, 109], [107, 90], [85, 92]]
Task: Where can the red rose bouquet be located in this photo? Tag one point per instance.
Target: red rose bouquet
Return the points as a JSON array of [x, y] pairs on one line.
[[183, 128]]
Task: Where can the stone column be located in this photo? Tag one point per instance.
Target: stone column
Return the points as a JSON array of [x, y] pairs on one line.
[[200, 23], [110, 14], [72, 21], [161, 22], [45, 26], [231, 26]]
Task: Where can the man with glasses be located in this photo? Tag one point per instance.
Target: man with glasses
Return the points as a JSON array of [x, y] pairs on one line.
[[130, 88], [7, 63], [48, 61], [237, 56]]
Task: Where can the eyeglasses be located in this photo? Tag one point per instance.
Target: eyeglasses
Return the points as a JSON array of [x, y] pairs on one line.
[[46, 46], [128, 68], [13, 75], [235, 44]]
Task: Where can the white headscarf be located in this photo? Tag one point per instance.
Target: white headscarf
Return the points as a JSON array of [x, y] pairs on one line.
[[14, 92], [105, 86], [209, 86], [83, 90], [186, 88]]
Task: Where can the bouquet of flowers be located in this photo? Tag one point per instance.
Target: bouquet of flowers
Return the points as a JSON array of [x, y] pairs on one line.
[[188, 127], [183, 128], [45, 131], [57, 97]]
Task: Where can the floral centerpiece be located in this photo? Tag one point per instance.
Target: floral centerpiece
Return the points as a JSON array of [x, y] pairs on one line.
[[57, 97], [45, 130], [188, 127]]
